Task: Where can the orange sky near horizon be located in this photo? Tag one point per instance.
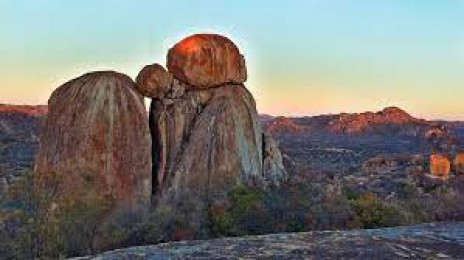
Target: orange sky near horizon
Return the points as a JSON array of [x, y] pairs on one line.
[[303, 57]]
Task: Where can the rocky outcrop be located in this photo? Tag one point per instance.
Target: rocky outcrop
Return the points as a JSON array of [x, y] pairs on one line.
[[204, 124], [440, 165], [427, 241], [24, 109], [459, 163], [96, 138], [19, 142], [356, 123], [273, 166], [208, 141], [283, 125]]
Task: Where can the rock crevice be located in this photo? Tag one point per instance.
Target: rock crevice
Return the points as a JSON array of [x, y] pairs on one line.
[[207, 138], [202, 134]]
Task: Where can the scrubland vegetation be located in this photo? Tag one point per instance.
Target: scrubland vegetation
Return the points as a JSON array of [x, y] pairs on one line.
[[39, 224]]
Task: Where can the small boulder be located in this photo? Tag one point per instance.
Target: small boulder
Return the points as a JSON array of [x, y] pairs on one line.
[[440, 165], [154, 81]]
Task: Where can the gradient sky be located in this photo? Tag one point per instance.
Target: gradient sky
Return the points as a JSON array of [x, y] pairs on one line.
[[304, 57]]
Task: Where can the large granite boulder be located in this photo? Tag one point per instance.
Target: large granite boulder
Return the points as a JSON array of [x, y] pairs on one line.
[[208, 141], [206, 60], [96, 139]]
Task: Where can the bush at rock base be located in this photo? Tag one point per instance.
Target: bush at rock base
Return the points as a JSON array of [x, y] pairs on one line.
[[46, 226]]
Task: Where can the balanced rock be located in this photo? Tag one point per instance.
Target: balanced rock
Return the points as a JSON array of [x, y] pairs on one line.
[[208, 140], [206, 60], [96, 139]]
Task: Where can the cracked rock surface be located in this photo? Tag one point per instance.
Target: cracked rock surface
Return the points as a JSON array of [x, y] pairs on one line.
[[204, 124], [427, 241]]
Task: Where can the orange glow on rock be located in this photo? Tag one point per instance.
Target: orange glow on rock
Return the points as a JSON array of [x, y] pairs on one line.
[[440, 165], [189, 44], [459, 162]]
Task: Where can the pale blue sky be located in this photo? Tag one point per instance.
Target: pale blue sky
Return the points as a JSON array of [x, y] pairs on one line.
[[304, 57]]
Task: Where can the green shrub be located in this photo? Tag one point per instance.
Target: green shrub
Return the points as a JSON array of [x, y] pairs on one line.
[[240, 215], [374, 213]]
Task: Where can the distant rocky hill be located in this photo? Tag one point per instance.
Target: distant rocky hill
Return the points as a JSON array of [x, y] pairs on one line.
[[38, 110], [346, 140], [391, 120], [353, 159], [19, 126], [429, 241]]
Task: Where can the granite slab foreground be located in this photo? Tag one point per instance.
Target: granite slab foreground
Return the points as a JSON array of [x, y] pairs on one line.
[[427, 241]]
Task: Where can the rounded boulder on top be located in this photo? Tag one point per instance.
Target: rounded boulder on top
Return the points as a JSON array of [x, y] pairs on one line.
[[206, 60]]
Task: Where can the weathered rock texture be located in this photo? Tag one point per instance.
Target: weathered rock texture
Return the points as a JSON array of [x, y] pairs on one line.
[[207, 140], [96, 137], [205, 128], [206, 60], [273, 167], [427, 241], [154, 81]]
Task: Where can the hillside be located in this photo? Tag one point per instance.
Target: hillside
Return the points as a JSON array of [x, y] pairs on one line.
[[326, 144], [347, 140], [19, 127], [429, 241]]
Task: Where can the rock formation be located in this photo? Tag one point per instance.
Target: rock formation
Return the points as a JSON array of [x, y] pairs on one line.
[[282, 125], [205, 133], [204, 124], [357, 123], [273, 167], [96, 137], [459, 163], [19, 142], [426, 241], [440, 165], [24, 109]]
